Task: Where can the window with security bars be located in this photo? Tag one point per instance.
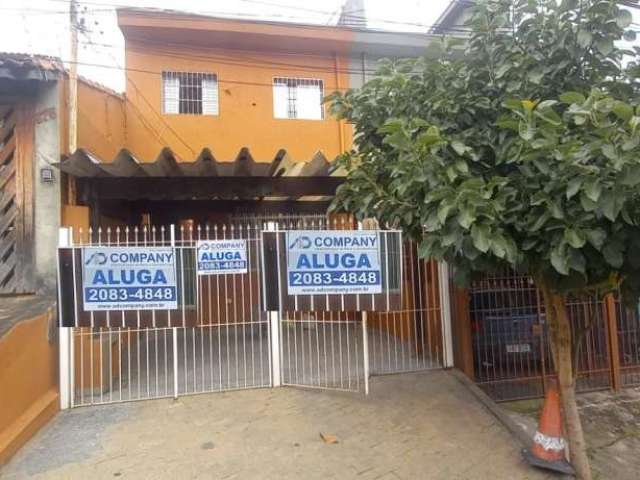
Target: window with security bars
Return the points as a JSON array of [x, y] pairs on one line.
[[298, 98], [190, 93]]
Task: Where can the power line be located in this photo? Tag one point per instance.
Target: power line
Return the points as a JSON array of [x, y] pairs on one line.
[[247, 60], [222, 59], [448, 27], [144, 122], [427, 27], [252, 17], [166, 124], [42, 11], [232, 61], [626, 3], [348, 16], [154, 72], [217, 14], [149, 11], [111, 10], [141, 116]]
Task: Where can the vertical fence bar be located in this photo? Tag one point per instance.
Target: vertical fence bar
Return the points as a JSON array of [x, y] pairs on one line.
[[365, 352], [614, 348], [76, 323], [445, 315], [175, 361], [274, 316], [65, 336], [172, 233]]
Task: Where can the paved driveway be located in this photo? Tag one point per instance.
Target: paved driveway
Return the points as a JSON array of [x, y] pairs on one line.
[[412, 426]]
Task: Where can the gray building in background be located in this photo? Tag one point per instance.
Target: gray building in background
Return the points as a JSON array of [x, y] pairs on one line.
[[370, 45]]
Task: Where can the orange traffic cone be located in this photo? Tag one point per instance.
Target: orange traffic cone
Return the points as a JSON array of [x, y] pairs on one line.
[[548, 445]]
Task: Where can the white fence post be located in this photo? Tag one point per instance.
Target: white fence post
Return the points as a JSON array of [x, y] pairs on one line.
[[65, 334], [274, 318], [174, 330], [365, 334], [365, 352], [445, 314]]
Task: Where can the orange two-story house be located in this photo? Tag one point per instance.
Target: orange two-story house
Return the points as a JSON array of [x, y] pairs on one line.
[[221, 116]]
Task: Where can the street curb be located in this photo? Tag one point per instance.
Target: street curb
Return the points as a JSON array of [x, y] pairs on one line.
[[516, 430], [521, 435]]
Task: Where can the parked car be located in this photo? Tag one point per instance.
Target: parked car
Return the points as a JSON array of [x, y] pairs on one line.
[[508, 341]]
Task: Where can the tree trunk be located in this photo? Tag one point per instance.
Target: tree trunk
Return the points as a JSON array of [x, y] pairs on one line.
[[561, 339]]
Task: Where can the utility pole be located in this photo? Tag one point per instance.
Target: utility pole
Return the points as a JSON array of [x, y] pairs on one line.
[[73, 77], [72, 98]]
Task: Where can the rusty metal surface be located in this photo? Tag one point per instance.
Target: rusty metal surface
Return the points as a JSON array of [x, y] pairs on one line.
[[21, 66]]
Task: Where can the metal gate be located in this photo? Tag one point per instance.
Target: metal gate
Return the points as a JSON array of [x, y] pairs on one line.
[[221, 338], [323, 350], [217, 339], [512, 355]]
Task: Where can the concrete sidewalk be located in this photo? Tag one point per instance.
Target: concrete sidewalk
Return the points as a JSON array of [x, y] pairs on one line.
[[412, 426]]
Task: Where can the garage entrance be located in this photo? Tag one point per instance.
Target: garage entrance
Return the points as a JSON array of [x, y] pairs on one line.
[[221, 336]]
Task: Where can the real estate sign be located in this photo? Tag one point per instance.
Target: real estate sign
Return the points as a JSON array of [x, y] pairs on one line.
[[333, 262], [129, 278], [219, 257]]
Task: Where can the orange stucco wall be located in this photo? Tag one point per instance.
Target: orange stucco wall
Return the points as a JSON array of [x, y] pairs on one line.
[[245, 105], [77, 217], [101, 121], [28, 382]]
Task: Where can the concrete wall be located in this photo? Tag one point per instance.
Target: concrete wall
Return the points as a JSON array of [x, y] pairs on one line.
[[100, 130], [46, 195]]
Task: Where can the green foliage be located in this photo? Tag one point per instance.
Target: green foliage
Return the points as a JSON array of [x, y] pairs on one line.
[[522, 150]]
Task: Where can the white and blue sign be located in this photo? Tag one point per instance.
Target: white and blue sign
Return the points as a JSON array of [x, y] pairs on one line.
[[219, 257], [129, 278], [333, 262]]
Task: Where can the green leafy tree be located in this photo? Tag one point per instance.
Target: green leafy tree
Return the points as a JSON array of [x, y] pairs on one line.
[[517, 148]]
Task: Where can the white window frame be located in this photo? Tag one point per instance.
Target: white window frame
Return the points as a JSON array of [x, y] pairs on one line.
[[319, 81], [206, 112]]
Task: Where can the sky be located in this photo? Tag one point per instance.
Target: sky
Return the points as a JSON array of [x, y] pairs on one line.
[[42, 26]]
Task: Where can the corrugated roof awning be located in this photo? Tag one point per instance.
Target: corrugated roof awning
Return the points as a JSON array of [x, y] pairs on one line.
[[167, 178], [83, 164]]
